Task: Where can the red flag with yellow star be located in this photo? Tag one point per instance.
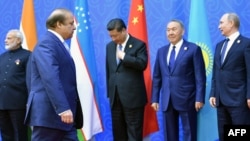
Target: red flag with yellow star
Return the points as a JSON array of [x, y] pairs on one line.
[[137, 27]]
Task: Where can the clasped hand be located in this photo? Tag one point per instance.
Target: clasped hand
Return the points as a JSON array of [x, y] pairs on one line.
[[120, 54]]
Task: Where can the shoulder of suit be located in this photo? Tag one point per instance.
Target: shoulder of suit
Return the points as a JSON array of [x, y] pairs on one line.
[[25, 50], [189, 44], [241, 37], [132, 38]]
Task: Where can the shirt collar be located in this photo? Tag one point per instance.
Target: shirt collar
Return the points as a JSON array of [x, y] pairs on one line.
[[233, 36], [57, 35], [125, 42], [178, 45]]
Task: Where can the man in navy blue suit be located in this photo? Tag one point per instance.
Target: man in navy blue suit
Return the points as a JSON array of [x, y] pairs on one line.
[[179, 83], [230, 92], [53, 96], [13, 89]]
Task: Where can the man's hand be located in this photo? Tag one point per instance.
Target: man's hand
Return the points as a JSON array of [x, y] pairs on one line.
[[212, 101], [198, 105], [248, 103], [155, 106], [67, 117], [120, 54]]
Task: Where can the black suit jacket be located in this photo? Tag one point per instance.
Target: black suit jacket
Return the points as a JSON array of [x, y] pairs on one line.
[[127, 76], [13, 90]]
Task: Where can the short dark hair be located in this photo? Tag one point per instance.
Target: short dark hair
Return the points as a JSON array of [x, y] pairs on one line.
[[58, 15], [117, 24]]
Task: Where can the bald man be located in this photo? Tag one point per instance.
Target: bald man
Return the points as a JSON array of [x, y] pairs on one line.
[[53, 97]]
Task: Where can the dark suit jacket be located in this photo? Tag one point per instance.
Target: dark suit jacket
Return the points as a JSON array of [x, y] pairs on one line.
[[13, 90], [127, 77], [231, 80], [52, 84], [186, 83]]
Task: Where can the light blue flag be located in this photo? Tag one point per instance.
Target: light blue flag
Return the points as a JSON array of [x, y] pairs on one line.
[[83, 53], [198, 33]]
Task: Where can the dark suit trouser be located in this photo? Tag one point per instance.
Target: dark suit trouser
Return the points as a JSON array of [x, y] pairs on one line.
[[232, 116], [12, 125], [171, 124], [50, 134], [127, 123]]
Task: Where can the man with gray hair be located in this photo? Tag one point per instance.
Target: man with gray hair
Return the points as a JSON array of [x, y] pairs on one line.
[[230, 92], [13, 90]]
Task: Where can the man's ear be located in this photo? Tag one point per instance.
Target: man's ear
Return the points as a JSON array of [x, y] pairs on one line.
[[18, 40], [58, 24]]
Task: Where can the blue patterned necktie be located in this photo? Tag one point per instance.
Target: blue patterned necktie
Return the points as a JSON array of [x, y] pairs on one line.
[[172, 59], [117, 59], [67, 47], [223, 52]]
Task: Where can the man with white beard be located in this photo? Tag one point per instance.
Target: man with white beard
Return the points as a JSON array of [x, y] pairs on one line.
[[13, 90]]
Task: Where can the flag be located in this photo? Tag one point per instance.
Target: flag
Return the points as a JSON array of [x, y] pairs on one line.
[[83, 53], [28, 25], [28, 28], [137, 27], [198, 33]]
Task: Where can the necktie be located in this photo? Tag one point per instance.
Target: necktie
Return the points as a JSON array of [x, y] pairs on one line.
[[66, 46], [120, 49], [172, 59], [223, 52]]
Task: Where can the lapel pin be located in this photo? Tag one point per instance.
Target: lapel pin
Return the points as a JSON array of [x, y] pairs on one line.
[[185, 48], [17, 62], [238, 41], [130, 46]]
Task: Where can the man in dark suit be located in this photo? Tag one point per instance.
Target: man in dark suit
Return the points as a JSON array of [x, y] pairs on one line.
[[230, 92], [179, 76], [52, 101], [126, 59], [13, 90]]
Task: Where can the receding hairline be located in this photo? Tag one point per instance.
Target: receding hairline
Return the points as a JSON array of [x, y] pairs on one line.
[[179, 22], [58, 15], [59, 11]]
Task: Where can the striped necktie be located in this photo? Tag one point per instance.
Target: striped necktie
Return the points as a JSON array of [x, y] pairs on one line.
[[223, 52]]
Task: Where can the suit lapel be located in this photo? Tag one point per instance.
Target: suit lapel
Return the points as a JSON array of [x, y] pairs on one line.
[[112, 56], [164, 58], [179, 57], [62, 47], [129, 43], [234, 46]]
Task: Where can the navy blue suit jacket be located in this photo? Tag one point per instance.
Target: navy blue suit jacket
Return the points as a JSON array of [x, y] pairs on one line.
[[52, 84], [231, 80], [186, 83]]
